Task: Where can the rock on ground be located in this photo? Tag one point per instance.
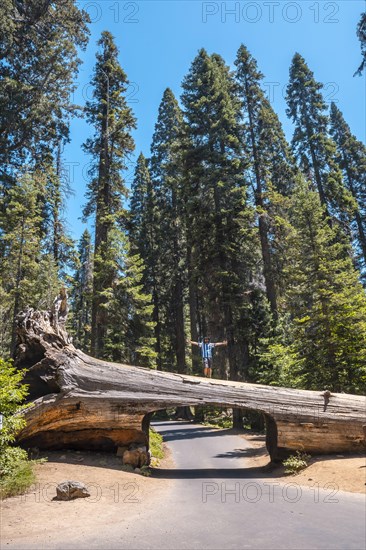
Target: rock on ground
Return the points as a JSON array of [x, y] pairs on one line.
[[69, 490], [135, 458]]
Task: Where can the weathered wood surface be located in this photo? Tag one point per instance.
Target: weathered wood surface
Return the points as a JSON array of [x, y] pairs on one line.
[[82, 402]]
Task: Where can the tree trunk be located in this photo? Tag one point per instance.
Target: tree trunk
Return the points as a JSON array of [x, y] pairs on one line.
[[16, 305], [262, 223], [99, 313], [267, 261], [238, 419], [193, 309], [157, 328], [82, 402], [178, 298], [199, 414], [180, 336], [56, 210], [183, 413]]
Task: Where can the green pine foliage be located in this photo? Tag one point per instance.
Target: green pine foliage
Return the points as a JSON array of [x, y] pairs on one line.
[[57, 239], [38, 63], [112, 120], [351, 157], [121, 314], [220, 222], [28, 273], [143, 230], [325, 344], [144, 237], [166, 169], [361, 35], [129, 334], [270, 163], [39, 59], [314, 149], [141, 220]]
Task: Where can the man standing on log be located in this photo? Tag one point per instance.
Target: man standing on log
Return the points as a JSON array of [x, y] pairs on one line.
[[206, 348]]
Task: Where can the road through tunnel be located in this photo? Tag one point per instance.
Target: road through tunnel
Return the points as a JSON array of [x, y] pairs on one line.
[[222, 419]]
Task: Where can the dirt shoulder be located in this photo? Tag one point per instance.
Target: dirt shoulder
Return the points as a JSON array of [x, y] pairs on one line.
[[345, 472], [116, 496]]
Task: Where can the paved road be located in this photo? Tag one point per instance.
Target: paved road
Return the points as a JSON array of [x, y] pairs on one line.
[[216, 503]]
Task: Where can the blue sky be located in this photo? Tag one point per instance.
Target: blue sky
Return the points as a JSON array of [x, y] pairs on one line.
[[159, 39]]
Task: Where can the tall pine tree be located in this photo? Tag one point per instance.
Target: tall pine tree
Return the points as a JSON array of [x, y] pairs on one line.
[[113, 121], [167, 180], [314, 149], [271, 162], [223, 248], [129, 333], [144, 227], [58, 241], [28, 274]]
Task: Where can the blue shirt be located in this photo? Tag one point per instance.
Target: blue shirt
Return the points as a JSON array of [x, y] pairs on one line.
[[206, 350]]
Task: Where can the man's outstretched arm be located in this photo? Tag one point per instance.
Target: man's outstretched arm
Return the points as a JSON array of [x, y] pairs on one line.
[[193, 343], [224, 343]]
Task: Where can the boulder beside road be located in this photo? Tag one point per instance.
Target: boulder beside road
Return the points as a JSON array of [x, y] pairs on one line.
[[69, 490]]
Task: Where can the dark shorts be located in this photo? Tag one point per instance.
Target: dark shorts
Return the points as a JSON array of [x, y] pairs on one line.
[[207, 363]]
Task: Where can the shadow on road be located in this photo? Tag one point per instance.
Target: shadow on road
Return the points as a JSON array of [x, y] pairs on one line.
[[190, 431], [243, 453], [193, 433], [213, 473]]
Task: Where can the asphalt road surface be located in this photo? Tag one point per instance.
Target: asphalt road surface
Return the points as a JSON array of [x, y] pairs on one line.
[[217, 503]]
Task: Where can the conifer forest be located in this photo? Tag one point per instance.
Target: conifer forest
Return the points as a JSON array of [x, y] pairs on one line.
[[228, 229]]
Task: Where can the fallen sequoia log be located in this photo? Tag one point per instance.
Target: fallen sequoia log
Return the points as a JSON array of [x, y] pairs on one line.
[[84, 403]]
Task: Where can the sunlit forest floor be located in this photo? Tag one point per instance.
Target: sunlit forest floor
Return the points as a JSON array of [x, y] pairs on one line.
[[345, 472]]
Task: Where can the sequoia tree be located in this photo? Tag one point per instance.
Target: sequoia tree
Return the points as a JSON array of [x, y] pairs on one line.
[[220, 222], [144, 227], [270, 159], [167, 181], [113, 121]]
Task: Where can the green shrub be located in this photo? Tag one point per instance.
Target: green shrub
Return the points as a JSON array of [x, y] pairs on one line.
[[12, 393], [295, 463], [156, 444], [217, 417], [16, 471]]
